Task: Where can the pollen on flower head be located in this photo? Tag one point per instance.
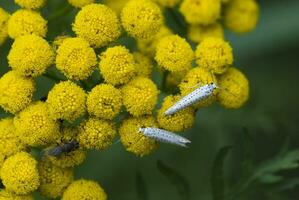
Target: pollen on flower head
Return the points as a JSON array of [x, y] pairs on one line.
[[241, 16], [66, 100], [31, 4], [104, 101], [24, 22], [201, 11], [30, 55], [35, 126], [96, 133], [19, 174], [144, 65], [134, 141], [167, 3], [53, 180], [214, 54], [6, 195], [180, 121], [198, 33], [117, 65], [234, 89], [141, 18], [15, 92], [174, 53], [115, 5], [84, 189], [140, 96], [4, 16], [97, 24], [80, 3], [75, 58]]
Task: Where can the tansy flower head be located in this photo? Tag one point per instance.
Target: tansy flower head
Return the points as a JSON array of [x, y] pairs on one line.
[[115, 5], [141, 18], [76, 59], [6, 195], [117, 65], [84, 189], [96, 133], [168, 3], [201, 11], [140, 96], [80, 3], [234, 89], [53, 180], [104, 101], [241, 16], [144, 65], [24, 22], [59, 40], [133, 140], [97, 24], [19, 174], [30, 55], [177, 122], [198, 33], [175, 78], [194, 79], [35, 126], [31, 4], [66, 100], [174, 53], [4, 16], [15, 92], [214, 54]]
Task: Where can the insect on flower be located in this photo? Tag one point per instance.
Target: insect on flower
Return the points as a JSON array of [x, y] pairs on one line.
[[64, 148], [164, 136]]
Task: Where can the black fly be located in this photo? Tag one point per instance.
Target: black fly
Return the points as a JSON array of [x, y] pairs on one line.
[[63, 148]]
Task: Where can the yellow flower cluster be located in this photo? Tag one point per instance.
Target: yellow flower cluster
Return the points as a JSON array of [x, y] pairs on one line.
[[4, 16], [80, 3], [31, 4]]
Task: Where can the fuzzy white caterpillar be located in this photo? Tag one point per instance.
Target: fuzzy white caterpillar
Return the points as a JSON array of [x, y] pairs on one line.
[[198, 94], [164, 136]]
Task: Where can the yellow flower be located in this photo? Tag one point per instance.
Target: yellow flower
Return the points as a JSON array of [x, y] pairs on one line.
[[31, 4], [144, 65], [134, 141], [117, 65], [141, 18], [140, 96], [97, 24], [214, 54], [59, 40], [5, 195], [198, 33], [4, 16], [194, 79], [174, 53], [76, 59], [84, 189], [168, 3], [104, 101], [24, 22], [19, 174], [201, 11], [96, 133], [35, 126], [177, 122], [80, 3], [234, 89], [241, 16], [173, 79], [15, 92], [115, 5], [30, 55], [66, 100], [53, 180]]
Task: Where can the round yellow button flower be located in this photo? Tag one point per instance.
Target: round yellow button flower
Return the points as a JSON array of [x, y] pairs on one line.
[[96, 133], [31, 4], [84, 189], [76, 59], [141, 18], [19, 174], [24, 22], [140, 96], [4, 16], [117, 65], [134, 141], [104, 101], [196, 78], [115, 5], [59, 40], [66, 100], [241, 16], [198, 33], [35, 126], [30, 55], [214, 54], [144, 66], [53, 180], [174, 53], [5, 195], [80, 3], [202, 12], [97, 24], [167, 3], [15, 92], [235, 89]]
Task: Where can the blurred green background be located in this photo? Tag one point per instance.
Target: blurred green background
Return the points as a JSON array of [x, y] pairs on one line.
[[269, 56]]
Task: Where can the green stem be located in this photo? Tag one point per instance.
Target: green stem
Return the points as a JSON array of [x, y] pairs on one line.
[[60, 13], [164, 79]]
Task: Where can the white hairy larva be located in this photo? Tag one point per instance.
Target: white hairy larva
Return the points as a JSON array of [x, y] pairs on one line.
[[164, 136]]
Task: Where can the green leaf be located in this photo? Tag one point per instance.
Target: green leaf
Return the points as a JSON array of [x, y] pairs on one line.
[[176, 179], [142, 193]]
